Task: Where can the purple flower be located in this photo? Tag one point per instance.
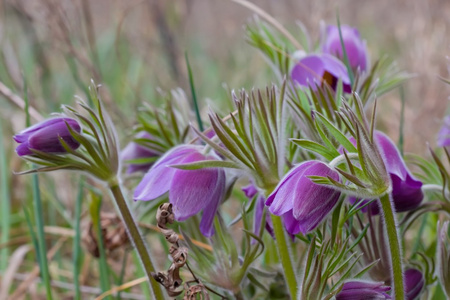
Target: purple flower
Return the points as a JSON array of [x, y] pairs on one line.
[[355, 47], [320, 69], [302, 203], [190, 191], [45, 135], [362, 290], [135, 151], [250, 191], [406, 190], [414, 282], [444, 133]]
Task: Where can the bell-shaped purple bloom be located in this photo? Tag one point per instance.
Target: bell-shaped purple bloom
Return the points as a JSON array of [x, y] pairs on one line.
[[414, 282], [318, 69], [444, 134], [45, 135], [355, 47], [406, 190], [190, 191], [302, 203], [134, 151], [363, 290]]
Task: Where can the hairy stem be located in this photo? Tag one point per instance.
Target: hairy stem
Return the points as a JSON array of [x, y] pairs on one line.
[[285, 256], [136, 238], [394, 247]]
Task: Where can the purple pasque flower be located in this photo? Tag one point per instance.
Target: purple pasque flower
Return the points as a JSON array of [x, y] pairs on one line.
[[362, 290], [190, 191], [406, 190], [250, 191], [302, 203], [320, 69], [355, 47], [135, 151], [444, 134], [414, 283], [44, 136]]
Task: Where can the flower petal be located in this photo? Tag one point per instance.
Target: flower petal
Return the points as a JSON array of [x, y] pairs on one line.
[[46, 139], [192, 190], [158, 179], [206, 224]]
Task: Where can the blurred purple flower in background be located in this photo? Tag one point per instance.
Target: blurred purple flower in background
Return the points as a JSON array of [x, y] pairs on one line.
[[355, 47], [406, 190], [363, 290], [414, 282], [318, 69], [135, 151], [444, 134], [190, 191], [45, 135], [303, 203]]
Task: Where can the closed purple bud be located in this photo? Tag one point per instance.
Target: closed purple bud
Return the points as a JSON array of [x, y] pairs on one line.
[[319, 69], [414, 282], [363, 290], [354, 47], [190, 191], [406, 190], [45, 135], [303, 203], [444, 134], [135, 151]]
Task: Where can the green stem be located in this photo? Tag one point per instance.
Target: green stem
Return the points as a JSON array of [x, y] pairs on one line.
[[136, 238], [38, 213], [77, 240], [394, 247], [285, 256]]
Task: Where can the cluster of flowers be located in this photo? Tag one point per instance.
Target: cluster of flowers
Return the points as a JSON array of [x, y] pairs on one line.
[[302, 203]]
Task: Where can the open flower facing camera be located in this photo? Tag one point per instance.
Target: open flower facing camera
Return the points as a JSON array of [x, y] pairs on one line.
[[334, 208]]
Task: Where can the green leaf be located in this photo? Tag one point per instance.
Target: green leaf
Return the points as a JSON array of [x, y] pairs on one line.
[[329, 154], [336, 133], [206, 164]]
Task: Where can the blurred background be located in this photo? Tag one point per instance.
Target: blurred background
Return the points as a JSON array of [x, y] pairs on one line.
[[134, 47]]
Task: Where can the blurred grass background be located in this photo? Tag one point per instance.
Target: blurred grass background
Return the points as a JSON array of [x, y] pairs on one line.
[[135, 47]]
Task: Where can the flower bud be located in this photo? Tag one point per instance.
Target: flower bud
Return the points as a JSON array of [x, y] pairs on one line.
[[354, 47], [414, 283], [250, 191], [358, 289], [303, 203], [45, 135], [190, 191], [320, 69]]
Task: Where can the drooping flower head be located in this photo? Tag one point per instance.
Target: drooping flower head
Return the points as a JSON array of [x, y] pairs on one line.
[[414, 283], [355, 47], [302, 203], [190, 191], [320, 69], [444, 134], [406, 190], [45, 135], [359, 290], [135, 151]]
